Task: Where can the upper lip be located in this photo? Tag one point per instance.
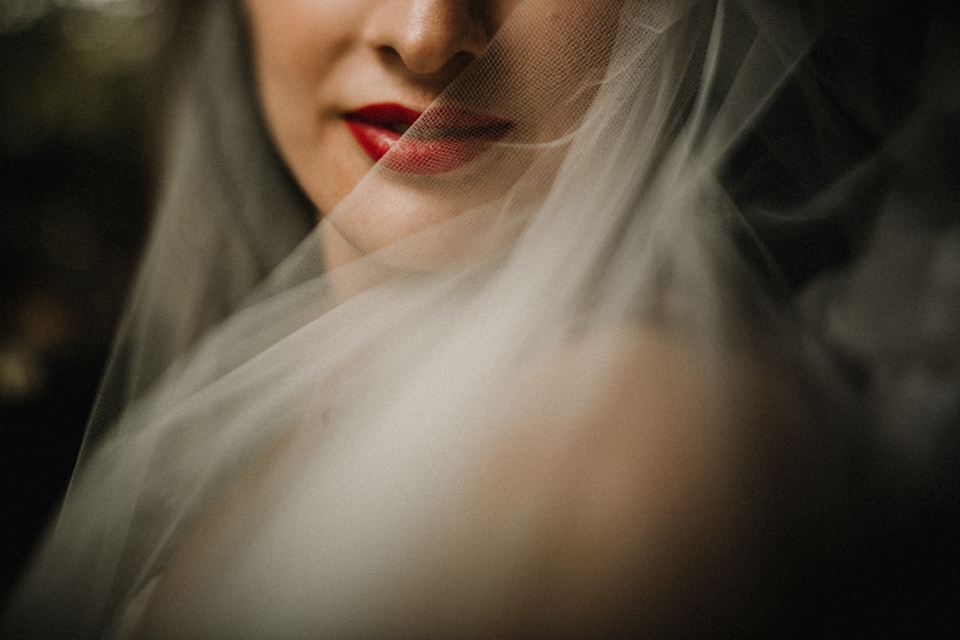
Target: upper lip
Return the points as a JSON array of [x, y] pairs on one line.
[[436, 122]]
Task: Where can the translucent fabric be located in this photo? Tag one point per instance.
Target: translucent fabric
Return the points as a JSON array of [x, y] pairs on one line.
[[552, 395]]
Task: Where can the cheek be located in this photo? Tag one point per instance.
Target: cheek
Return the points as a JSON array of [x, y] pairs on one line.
[[290, 42], [296, 45], [550, 80], [295, 37], [578, 42], [291, 52]]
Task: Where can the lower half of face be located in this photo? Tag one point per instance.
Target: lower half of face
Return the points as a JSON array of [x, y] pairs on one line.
[[453, 100]]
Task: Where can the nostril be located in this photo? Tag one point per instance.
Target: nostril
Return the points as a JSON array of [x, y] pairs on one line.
[[433, 54], [430, 36], [427, 63]]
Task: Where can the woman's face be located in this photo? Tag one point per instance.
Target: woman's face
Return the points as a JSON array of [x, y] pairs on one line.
[[339, 81]]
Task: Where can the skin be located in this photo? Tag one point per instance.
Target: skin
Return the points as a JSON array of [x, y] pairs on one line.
[[637, 522], [641, 510], [314, 61]]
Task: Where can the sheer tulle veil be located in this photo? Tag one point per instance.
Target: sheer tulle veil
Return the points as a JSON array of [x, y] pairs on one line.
[[379, 390]]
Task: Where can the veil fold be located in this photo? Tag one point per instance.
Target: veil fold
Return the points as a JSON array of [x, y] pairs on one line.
[[353, 409]]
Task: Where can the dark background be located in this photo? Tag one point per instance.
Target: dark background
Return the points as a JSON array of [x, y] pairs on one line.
[[80, 90]]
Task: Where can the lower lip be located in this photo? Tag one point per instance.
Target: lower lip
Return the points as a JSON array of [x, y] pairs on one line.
[[407, 154]]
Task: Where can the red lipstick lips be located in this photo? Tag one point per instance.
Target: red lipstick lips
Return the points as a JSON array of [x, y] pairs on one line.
[[445, 138]]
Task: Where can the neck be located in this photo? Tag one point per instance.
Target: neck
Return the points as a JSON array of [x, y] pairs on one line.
[[347, 273]]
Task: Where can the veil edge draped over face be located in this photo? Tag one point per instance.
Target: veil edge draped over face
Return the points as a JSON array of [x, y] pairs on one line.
[[332, 429]]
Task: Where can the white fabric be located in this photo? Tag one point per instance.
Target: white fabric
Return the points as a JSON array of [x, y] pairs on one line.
[[363, 399]]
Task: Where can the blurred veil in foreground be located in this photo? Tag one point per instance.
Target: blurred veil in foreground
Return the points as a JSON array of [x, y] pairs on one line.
[[711, 202]]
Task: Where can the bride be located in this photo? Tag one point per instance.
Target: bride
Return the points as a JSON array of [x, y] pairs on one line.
[[454, 321]]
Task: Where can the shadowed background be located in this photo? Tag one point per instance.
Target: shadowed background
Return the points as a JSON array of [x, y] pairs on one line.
[[81, 92], [79, 95]]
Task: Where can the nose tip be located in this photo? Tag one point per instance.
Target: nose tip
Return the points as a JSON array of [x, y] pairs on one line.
[[429, 45], [430, 36]]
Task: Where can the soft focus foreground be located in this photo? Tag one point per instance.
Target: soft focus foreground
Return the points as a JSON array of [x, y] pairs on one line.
[[889, 583]]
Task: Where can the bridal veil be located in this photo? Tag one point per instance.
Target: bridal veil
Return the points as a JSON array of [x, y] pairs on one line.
[[645, 198]]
